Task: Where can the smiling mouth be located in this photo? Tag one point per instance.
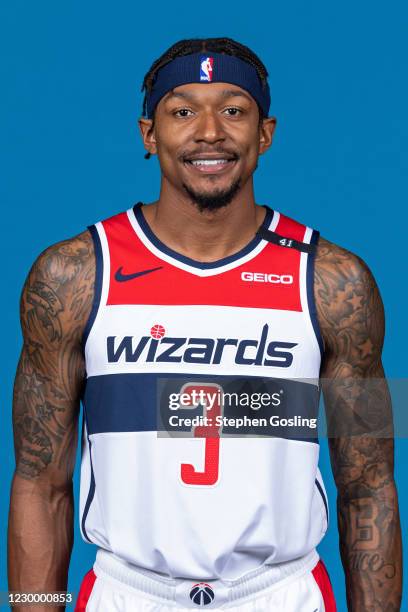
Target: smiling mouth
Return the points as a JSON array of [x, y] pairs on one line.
[[211, 165]]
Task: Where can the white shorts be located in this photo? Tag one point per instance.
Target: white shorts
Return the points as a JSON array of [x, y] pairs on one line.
[[302, 585]]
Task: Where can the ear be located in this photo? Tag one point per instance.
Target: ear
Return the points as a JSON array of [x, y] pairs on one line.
[[266, 131], [148, 136]]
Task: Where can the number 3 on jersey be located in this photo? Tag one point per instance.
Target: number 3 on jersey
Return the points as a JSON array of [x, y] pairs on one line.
[[209, 476]]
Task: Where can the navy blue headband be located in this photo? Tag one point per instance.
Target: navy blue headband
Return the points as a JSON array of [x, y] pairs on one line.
[[208, 68]]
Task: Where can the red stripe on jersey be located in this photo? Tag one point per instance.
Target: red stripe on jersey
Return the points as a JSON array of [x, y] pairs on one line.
[[85, 591], [290, 228], [323, 582], [170, 285]]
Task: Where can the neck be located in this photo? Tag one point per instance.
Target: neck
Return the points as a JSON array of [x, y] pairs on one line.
[[204, 236]]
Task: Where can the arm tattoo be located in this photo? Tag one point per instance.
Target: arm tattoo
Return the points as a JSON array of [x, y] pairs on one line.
[[359, 416], [55, 305]]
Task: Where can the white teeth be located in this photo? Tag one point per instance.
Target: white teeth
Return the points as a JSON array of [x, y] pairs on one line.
[[208, 162]]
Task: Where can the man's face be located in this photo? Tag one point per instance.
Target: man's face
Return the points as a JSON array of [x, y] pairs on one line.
[[208, 138]]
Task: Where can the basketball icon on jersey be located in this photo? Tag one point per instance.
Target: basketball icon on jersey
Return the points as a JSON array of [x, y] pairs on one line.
[[157, 332], [202, 594], [206, 69]]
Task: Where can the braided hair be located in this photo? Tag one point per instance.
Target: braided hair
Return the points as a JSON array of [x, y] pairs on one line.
[[197, 45]]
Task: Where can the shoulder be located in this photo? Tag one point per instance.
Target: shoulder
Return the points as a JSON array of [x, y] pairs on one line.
[[60, 285], [61, 261], [337, 266], [348, 301]]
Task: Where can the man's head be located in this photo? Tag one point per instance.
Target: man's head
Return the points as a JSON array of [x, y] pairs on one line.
[[207, 102]]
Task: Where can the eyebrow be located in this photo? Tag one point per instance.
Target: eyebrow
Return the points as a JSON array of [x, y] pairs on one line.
[[226, 93]]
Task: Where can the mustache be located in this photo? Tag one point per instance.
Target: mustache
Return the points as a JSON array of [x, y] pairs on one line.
[[226, 152]]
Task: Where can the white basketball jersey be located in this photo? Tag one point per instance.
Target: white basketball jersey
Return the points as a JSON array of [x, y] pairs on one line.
[[200, 450]]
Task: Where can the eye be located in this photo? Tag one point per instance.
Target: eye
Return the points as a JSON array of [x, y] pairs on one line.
[[233, 111], [183, 112]]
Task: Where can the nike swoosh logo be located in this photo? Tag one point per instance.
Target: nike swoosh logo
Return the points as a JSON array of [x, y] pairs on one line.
[[122, 278]]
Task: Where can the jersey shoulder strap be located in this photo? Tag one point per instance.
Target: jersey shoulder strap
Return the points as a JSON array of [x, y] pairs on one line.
[[291, 234]]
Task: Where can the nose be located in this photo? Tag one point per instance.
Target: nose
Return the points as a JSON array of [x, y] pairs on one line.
[[209, 128]]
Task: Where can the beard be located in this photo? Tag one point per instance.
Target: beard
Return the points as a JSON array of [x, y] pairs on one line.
[[216, 199]]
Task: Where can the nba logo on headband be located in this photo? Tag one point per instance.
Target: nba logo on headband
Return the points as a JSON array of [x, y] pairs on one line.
[[206, 68], [197, 67]]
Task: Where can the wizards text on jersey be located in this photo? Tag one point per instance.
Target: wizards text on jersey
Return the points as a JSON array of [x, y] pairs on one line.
[[201, 350]]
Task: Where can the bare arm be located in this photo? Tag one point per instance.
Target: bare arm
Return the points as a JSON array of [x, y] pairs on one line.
[[55, 305], [357, 399]]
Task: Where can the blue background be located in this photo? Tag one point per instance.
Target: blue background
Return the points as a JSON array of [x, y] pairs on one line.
[[71, 154]]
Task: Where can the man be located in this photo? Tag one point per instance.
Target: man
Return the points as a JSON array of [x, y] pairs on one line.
[[159, 314]]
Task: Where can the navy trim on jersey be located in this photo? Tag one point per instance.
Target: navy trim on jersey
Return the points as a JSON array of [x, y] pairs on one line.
[[319, 487], [98, 283], [91, 491], [284, 241], [192, 262], [136, 402], [310, 292]]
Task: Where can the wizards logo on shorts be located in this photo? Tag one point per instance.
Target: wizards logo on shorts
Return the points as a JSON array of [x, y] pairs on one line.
[[206, 68], [202, 594]]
